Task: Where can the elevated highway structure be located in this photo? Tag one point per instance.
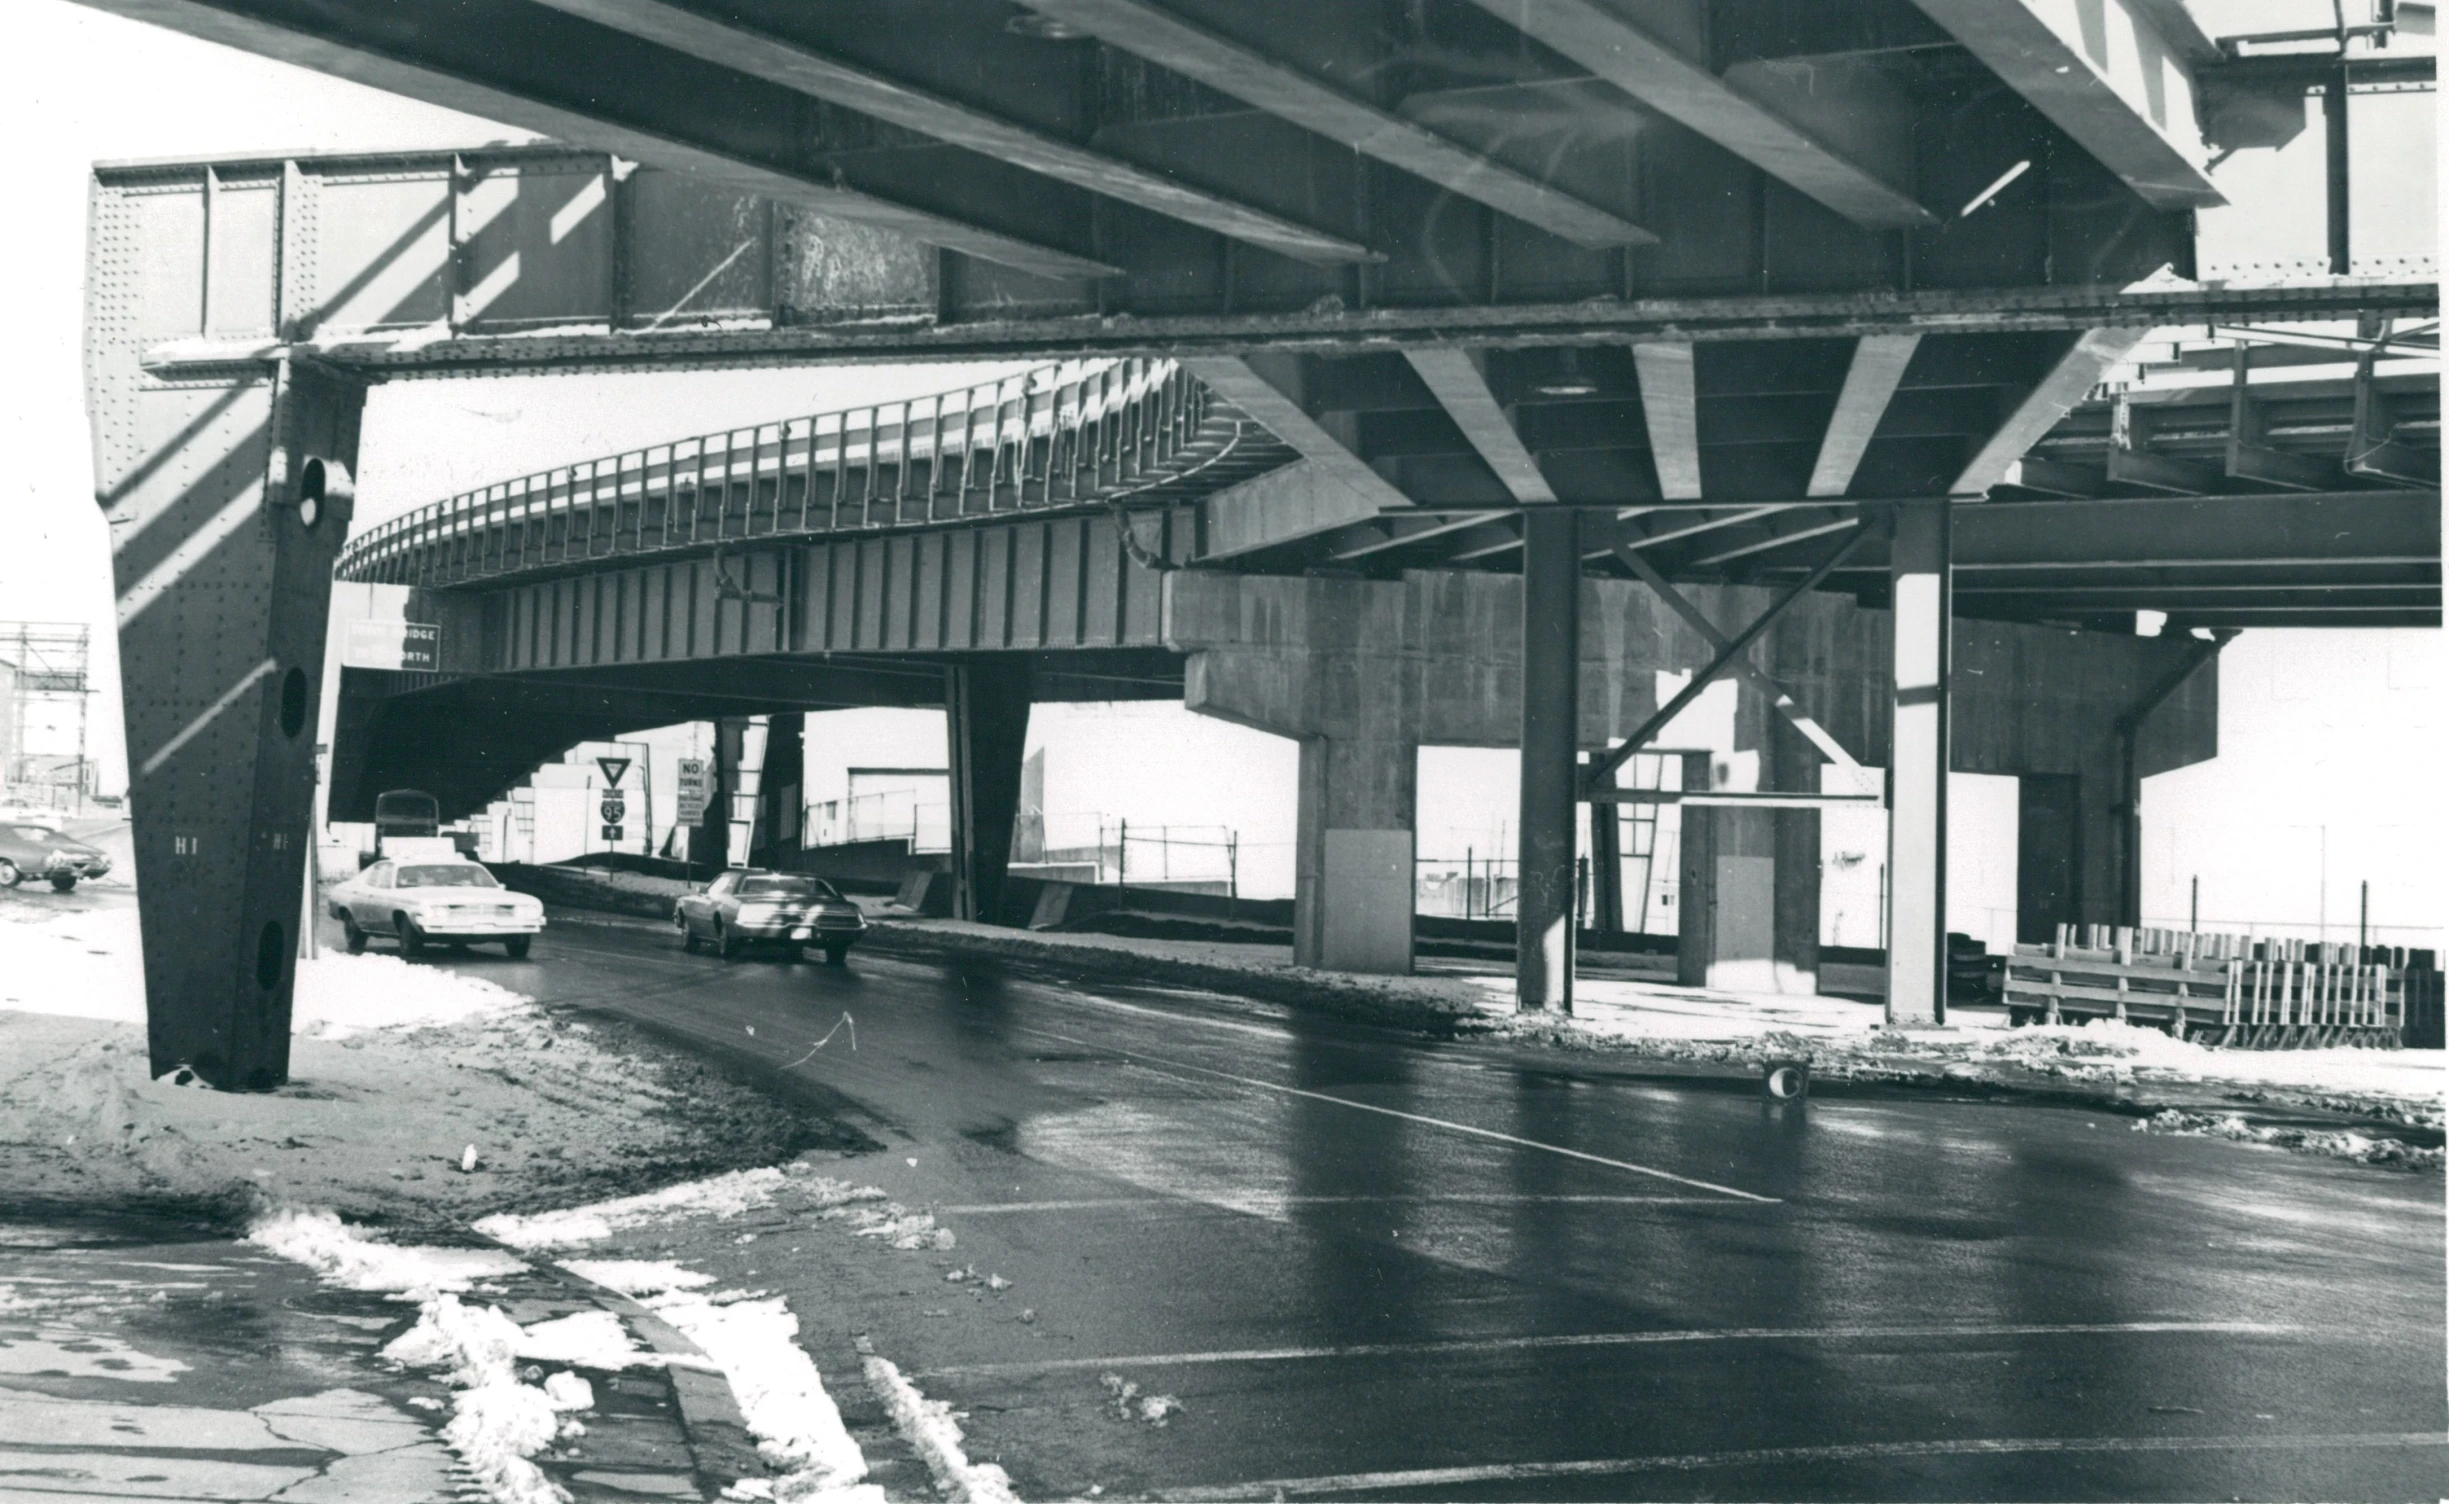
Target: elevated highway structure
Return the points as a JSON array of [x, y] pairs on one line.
[[1437, 371]]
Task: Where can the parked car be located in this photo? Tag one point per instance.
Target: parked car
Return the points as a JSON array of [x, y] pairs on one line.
[[434, 900], [29, 849], [747, 906]]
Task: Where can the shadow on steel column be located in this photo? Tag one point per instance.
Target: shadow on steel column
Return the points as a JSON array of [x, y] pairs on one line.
[[227, 505]]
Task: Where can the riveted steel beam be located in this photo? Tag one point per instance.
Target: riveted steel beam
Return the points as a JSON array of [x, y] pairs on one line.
[[1230, 68], [806, 70]]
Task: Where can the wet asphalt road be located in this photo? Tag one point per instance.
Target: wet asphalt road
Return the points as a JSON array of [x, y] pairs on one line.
[[1372, 1266]]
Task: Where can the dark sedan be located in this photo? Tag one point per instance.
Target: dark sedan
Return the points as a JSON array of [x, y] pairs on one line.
[[31, 850], [746, 906]]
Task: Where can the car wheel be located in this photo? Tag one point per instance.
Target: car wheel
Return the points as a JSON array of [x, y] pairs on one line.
[[517, 946], [726, 944], [688, 934], [836, 953], [349, 932], [412, 939], [63, 882], [10, 877]]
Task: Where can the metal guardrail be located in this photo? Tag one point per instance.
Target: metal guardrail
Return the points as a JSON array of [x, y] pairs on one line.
[[1074, 433]]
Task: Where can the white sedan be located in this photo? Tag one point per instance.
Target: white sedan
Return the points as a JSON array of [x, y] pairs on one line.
[[437, 902]]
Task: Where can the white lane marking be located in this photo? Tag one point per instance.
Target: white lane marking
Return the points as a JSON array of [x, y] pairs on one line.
[[1999, 1446], [1459, 1198], [1409, 1117], [212, 712], [1169, 1016], [1621, 1339]]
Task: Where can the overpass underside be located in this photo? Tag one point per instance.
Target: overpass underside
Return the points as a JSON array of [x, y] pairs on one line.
[[1435, 372]]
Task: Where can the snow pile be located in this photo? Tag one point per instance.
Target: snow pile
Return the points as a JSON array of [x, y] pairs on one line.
[[497, 1421], [754, 1342], [2337, 1144], [2106, 1051], [933, 1430], [322, 1242], [341, 996], [587, 1339], [722, 1196], [1843, 1039]]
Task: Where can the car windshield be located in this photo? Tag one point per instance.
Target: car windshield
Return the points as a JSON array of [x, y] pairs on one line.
[[784, 887], [38, 833], [454, 875]]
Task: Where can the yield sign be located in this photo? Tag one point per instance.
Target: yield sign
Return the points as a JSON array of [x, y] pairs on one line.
[[613, 768]]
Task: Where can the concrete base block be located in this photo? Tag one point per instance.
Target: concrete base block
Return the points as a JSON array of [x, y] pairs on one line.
[[1364, 902]]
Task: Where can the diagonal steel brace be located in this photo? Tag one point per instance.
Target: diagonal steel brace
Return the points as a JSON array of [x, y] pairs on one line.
[[1731, 655], [1759, 678]]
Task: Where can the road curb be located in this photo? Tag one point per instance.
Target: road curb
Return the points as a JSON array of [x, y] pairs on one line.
[[719, 1443], [1318, 992]]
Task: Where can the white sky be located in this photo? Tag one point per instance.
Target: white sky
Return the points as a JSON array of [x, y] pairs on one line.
[[2328, 774]]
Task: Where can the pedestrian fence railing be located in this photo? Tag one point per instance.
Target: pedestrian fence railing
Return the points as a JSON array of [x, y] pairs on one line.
[[2213, 989]]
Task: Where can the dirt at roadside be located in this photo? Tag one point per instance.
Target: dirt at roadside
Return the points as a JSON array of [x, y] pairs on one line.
[[379, 1126]]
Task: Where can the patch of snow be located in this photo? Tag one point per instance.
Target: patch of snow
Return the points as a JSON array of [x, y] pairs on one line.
[[2337, 1144], [755, 1344], [638, 1278], [932, 1428], [588, 1339], [1130, 1404], [568, 1391], [905, 1229], [340, 996], [722, 1196], [343, 1255], [497, 1422], [72, 962], [465, 1344]]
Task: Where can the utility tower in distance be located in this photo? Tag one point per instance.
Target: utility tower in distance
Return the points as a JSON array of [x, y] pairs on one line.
[[43, 664]]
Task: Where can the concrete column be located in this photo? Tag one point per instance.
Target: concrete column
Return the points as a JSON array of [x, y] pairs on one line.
[[228, 502], [1919, 574], [1551, 726], [1352, 876], [986, 728], [1332, 664], [1749, 881]]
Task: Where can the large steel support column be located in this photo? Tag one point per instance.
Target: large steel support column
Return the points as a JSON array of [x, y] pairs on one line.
[[1551, 727], [227, 504], [986, 727], [1920, 577]]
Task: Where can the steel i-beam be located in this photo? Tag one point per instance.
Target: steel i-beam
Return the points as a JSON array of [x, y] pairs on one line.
[[1919, 575], [227, 505], [1551, 725]]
